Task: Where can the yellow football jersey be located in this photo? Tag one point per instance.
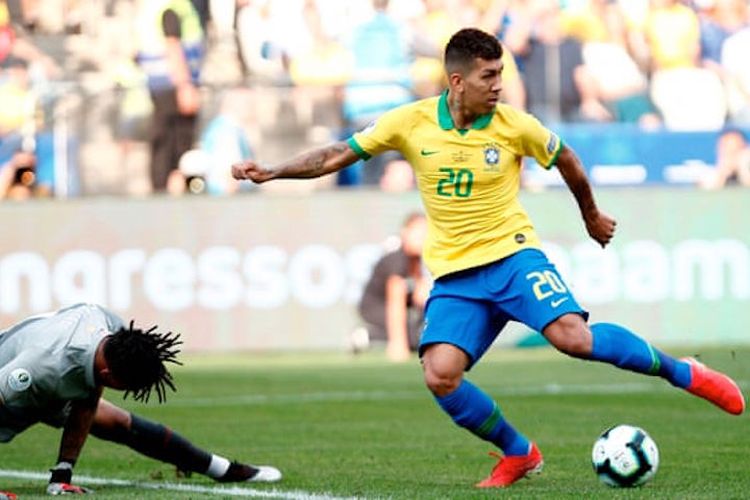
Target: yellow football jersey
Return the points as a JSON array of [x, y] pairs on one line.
[[468, 179]]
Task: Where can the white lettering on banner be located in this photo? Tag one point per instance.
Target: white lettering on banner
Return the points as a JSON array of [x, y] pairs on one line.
[[319, 276], [13, 268], [123, 266], [79, 276], [169, 279], [646, 272], [711, 258], [267, 286], [596, 274], [218, 273]]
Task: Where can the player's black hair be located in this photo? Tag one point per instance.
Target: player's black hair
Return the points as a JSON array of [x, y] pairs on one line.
[[468, 44], [136, 358]]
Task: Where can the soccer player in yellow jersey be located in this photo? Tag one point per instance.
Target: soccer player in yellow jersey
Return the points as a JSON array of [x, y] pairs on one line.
[[466, 149]]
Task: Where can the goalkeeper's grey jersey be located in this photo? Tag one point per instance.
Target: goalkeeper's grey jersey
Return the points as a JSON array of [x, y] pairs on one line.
[[48, 360]]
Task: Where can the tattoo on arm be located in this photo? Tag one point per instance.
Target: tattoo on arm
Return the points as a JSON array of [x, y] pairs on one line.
[[318, 162]]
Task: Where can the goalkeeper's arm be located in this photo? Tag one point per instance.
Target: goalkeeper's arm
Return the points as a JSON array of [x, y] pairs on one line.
[[74, 435]]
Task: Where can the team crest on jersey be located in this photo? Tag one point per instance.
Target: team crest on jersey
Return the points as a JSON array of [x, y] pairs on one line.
[[491, 158], [552, 143], [19, 380]]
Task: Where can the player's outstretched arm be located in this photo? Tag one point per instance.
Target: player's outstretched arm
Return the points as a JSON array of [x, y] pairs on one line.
[[600, 226], [315, 163], [75, 432]]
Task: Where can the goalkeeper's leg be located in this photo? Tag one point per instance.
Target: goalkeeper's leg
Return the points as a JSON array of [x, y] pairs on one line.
[[157, 441]]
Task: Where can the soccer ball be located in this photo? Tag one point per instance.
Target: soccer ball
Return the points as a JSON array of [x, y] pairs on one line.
[[624, 456]]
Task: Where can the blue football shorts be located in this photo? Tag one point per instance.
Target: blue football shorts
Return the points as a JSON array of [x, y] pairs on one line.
[[469, 308]]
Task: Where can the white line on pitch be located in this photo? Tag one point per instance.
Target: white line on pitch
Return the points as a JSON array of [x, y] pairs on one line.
[[234, 491], [256, 399]]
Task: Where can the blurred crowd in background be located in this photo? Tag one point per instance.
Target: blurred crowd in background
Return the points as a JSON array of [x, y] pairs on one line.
[[94, 98]]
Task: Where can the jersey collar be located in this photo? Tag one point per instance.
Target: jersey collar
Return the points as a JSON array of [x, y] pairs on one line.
[[446, 120]]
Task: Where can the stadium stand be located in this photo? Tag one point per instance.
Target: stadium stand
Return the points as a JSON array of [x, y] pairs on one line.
[[299, 57]]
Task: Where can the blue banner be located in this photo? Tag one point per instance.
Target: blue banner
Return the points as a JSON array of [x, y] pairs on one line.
[[623, 154]]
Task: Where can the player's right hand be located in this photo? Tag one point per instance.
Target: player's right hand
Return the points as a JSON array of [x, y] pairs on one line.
[[252, 171], [66, 489]]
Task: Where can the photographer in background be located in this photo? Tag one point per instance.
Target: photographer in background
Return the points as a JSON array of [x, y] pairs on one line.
[[18, 177], [190, 175], [392, 304], [18, 107]]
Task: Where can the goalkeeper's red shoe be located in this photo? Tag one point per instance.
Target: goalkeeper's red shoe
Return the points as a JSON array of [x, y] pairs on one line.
[[510, 469], [7, 495], [715, 387]]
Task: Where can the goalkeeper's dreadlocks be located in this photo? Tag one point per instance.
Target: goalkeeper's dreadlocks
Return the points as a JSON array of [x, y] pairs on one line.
[[136, 358]]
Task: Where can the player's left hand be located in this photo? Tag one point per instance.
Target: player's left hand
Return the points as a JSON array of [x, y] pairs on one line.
[[66, 489], [601, 227]]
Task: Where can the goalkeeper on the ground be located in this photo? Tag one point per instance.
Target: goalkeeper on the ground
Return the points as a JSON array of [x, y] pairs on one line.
[[53, 369]]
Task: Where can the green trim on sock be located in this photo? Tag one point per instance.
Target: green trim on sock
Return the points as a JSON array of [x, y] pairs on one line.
[[491, 422], [655, 361]]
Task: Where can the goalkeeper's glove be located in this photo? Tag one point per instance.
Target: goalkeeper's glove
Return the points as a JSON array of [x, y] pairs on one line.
[[66, 489], [59, 481]]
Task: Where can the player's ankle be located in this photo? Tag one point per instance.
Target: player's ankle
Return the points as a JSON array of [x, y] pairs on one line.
[[218, 467]]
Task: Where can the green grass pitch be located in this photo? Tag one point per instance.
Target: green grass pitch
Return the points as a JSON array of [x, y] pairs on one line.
[[361, 427]]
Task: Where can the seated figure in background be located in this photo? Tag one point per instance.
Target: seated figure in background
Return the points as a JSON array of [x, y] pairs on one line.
[[732, 161], [392, 304]]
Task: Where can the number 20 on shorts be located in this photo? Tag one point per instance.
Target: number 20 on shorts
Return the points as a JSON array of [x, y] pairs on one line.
[[545, 283]]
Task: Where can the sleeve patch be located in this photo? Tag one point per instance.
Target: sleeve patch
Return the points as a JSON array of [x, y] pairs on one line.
[[369, 128], [552, 143], [19, 380]]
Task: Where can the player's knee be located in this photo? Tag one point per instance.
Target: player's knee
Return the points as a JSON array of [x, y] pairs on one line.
[[116, 429], [443, 366], [111, 422], [570, 335], [575, 345], [441, 383]]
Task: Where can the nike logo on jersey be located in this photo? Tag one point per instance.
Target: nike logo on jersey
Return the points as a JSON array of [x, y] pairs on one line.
[[428, 152], [557, 302]]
